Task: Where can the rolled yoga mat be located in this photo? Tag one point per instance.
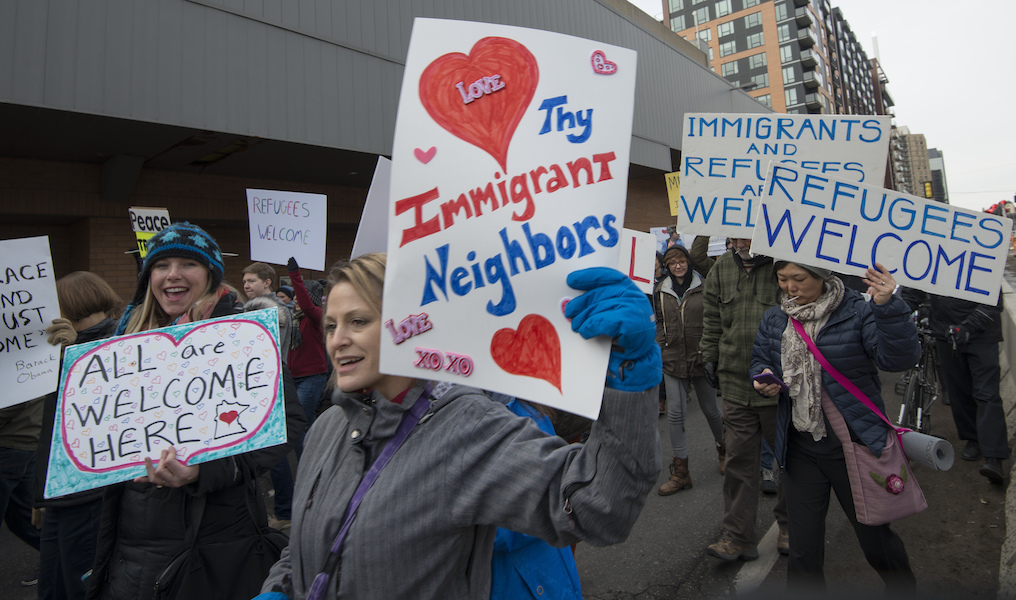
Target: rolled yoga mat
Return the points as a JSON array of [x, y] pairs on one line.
[[928, 450]]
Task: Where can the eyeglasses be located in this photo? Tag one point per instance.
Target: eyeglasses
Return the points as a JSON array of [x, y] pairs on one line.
[[677, 263]]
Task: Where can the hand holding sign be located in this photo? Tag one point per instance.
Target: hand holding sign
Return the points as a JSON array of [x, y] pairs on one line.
[[881, 284], [614, 307], [171, 472]]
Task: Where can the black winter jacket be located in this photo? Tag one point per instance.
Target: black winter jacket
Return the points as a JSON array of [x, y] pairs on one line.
[[982, 320], [143, 526], [859, 338]]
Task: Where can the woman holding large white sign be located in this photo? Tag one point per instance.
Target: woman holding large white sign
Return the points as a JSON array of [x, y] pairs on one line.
[[181, 531], [857, 338], [460, 464]]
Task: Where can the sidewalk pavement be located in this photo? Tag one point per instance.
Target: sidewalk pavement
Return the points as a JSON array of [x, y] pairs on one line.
[[1007, 566]]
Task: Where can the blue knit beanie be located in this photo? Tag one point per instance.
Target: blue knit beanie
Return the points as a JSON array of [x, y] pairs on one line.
[[182, 240]]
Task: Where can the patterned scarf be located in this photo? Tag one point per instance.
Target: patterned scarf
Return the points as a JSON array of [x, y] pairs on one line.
[[801, 372]]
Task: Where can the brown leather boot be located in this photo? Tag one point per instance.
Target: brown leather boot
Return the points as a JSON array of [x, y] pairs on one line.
[[680, 478], [721, 449]]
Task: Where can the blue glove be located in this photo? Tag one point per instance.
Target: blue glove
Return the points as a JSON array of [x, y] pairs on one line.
[[614, 307], [271, 596]]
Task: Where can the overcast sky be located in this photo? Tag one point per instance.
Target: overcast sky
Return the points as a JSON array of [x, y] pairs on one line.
[[952, 76]]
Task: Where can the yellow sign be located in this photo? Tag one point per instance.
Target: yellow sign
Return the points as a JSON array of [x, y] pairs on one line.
[[143, 241], [673, 191], [928, 193]]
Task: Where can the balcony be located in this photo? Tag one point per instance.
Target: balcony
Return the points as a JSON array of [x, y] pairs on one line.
[[813, 101], [801, 2], [809, 60], [806, 38], [811, 80], [803, 16]]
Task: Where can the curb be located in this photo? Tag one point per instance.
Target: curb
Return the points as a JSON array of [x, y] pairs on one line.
[[1007, 388]]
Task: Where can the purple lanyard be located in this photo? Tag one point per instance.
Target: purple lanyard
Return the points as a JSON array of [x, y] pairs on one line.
[[409, 420]]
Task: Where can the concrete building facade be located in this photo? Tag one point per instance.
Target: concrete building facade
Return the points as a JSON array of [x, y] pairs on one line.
[[184, 104]]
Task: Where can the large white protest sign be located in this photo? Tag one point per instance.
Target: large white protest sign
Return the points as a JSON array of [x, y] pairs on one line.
[[285, 224], [846, 227], [509, 170], [372, 234], [725, 158], [209, 389], [28, 364]]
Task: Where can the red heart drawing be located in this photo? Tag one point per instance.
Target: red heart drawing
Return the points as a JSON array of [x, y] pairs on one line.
[[533, 350], [229, 417], [503, 72], [425, 156], [602, 66]]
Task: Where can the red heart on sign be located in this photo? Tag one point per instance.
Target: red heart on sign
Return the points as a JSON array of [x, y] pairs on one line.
[[503, 72], [229, 417], [533, 350]]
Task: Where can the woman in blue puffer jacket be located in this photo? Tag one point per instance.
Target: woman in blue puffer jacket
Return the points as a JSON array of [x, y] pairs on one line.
[[858, 337]]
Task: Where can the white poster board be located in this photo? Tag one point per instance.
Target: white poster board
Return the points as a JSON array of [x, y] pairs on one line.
[[285, 224], [209, 389], [638, 258], [29, 366], [846, 227], [725, 158], [509, 171], [372, 233]]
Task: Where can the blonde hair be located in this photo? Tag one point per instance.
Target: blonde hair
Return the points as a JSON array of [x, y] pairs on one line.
[[149, 314], [83, 293], [365, 273], [367, 276]]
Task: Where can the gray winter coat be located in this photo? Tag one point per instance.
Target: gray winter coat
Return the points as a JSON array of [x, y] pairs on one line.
[[426, 528]]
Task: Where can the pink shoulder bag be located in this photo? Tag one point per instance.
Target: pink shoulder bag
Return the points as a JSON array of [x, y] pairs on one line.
[[884, 488]]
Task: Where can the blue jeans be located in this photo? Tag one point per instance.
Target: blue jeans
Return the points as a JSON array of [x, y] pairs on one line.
[[310, 389], [17, 478]]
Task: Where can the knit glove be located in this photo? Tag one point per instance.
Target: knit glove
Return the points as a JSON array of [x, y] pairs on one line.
[[614, 307], [292, 266], [61, 332], [959, 334]]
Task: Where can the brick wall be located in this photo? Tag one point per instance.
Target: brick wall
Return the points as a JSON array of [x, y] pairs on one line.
[[62, 200]]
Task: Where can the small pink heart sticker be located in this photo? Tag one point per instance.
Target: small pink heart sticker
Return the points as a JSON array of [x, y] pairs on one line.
[[424, 156]]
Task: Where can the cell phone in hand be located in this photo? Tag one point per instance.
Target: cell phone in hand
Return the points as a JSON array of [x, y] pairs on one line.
[[767, 378]]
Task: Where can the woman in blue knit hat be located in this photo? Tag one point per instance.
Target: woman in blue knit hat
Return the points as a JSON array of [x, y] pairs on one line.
[[180, 281], [179, 532]]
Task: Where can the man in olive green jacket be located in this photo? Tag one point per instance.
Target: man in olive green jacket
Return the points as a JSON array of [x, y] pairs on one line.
[[738, 290]]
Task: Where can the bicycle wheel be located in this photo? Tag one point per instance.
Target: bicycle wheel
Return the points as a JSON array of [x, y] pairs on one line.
[[911, 401]]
